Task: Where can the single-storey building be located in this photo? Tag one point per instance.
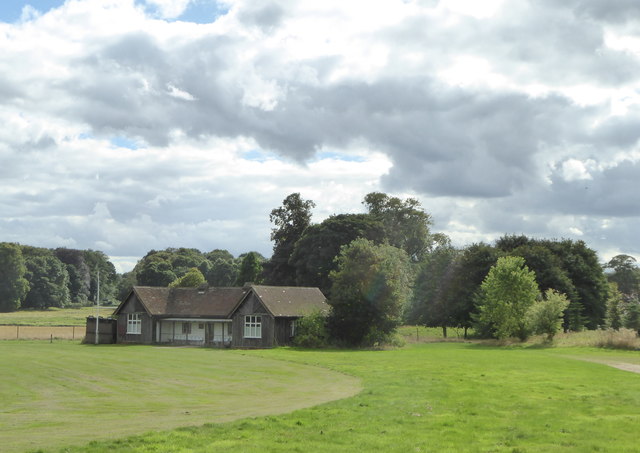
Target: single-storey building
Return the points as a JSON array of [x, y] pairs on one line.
[[253, 316]]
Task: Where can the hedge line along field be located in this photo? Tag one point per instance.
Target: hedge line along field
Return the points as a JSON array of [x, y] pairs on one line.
[[436, 397], [64, 393]]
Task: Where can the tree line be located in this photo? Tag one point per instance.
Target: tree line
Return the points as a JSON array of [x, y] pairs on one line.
[[39, 278], [386, 266], [379, 268]]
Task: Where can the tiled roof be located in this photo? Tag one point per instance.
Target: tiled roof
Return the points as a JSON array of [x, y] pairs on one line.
[[189, 302], [287, 301], [291, 300]]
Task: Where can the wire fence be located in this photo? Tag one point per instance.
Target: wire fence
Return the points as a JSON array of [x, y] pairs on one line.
[[42, 332]]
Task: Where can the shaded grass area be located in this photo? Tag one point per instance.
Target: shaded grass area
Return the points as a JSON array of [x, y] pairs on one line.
[[66, 393], [436, 397], [52, 316]]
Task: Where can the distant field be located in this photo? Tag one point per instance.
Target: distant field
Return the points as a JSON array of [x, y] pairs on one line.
[[66, 393], [52, 316], [42, 332], [430, 397]]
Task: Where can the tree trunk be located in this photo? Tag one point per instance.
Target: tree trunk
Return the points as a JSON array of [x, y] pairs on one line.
[[444, 331]]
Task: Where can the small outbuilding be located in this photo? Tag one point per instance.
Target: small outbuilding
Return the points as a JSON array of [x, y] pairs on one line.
[[253, 316]]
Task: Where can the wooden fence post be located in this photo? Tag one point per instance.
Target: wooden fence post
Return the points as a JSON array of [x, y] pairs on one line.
[[17, 332]]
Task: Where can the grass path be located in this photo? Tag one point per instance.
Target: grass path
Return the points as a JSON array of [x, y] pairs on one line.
[[441, 397], [66, 393]]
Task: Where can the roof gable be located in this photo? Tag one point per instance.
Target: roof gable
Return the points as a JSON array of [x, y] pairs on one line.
[[189, 302], [291, 301], [280, 301]]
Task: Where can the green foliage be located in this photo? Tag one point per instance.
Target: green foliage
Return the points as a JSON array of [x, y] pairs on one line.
[[545, 316], [572, 268], [632, 320], [508, 291], [290, 220], [250, 269], [431, 305], [79, 274], [155, 269], [584, 271], [625, 274], [615, 307], [13, 285], [124, 285], [467, 274], [406, 225], [192, 279], [369, 291], [48, 282], [222, 272], [99, 262], [312, 331], [314, 254]]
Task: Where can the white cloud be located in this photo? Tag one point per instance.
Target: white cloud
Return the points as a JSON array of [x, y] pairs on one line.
[[575, 170], [495, 127]]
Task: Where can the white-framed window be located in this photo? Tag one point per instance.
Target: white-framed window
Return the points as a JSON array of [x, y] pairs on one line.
[[253, 326], [134, 323], [186, 328]]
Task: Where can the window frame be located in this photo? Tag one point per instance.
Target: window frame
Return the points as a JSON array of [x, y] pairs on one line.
[[252, 326], [134, 324], [186, 328]]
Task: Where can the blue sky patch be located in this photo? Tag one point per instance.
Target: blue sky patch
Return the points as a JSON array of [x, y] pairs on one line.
[[198, 11], [124, 142], [203, 12], [11, 10], [339, 156]]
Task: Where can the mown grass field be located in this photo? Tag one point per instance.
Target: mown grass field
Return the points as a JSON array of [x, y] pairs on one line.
[[425, 397], [52, 316], [63, 393]]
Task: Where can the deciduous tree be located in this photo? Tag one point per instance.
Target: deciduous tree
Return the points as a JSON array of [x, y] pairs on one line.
[[290, 220], [13, 285], [407, 225], [615, 308], [431, 305], [314, 254], [48, 282], [250, 269], [370, 289], [545, 316], [192, 279], [507, 292]]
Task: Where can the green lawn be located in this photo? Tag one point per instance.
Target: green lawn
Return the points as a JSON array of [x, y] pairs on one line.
[[435, 397], [52, 316], [67, 393]]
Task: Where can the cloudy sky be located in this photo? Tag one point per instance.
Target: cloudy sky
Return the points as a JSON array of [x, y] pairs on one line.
[[130, 125]]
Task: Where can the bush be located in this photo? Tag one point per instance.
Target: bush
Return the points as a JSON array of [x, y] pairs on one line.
[[311, 331], [545, 316]]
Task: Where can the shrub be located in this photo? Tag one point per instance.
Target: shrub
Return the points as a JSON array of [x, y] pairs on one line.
[[311, 331], [545, 316]]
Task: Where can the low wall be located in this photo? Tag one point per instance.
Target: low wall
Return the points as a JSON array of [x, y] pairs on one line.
[[42, 332]]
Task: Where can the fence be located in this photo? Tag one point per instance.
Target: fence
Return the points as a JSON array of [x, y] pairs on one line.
[[42, 332]]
